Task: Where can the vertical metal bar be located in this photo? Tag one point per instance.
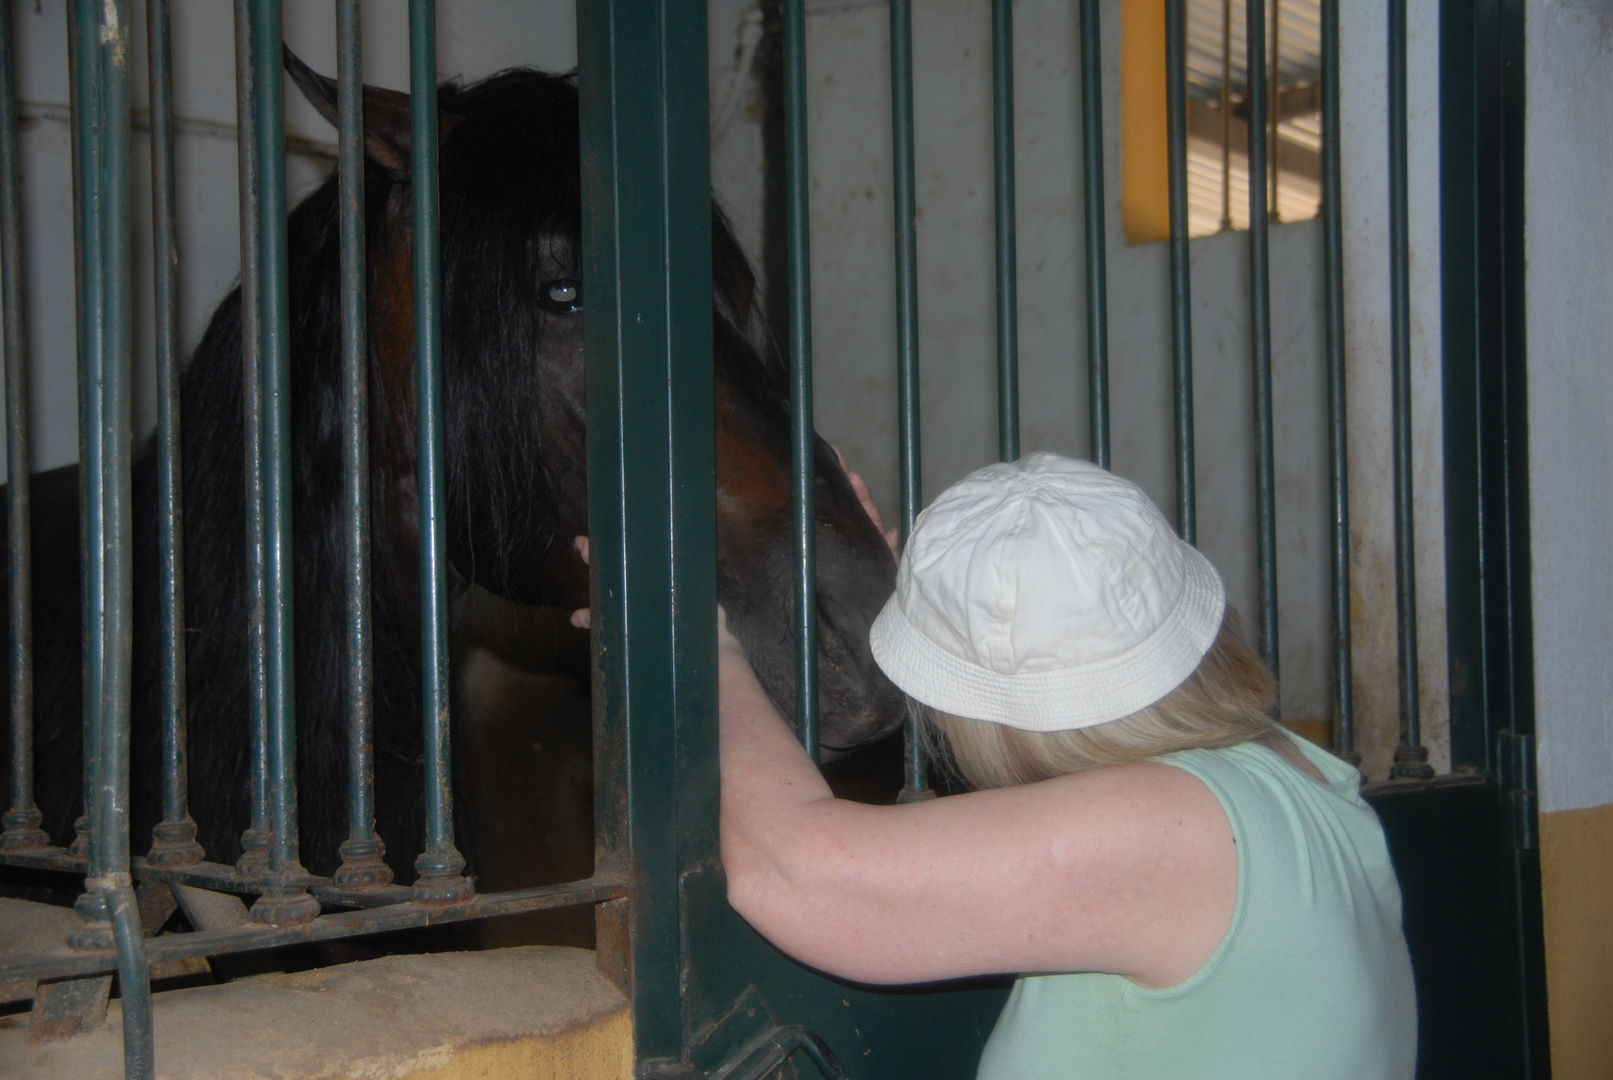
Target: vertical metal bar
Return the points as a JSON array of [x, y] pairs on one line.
[[1096, 232], [22, 818], [642, 78], [174, 837], [85, 62], [1260, 334], [102, 81], [1411, 757], [1181, 280], [801, 431], [134, 983], [362, 863], [1276, 107], [1338, 462], [110, 828], [1002, 68], [89, 105], [285, 898], [255, 840], [1226, 114], [440, 864], [910, 451]]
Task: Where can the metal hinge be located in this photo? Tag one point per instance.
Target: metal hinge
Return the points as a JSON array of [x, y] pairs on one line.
[[1518, 782]]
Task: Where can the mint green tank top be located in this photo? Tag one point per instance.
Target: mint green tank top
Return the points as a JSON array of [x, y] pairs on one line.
[[1312, 981]]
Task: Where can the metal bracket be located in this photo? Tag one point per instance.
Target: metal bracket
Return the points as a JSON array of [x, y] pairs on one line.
[[1517, 759]]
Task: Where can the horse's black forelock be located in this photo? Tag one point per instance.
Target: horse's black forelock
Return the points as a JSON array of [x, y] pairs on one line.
[[511, 201]]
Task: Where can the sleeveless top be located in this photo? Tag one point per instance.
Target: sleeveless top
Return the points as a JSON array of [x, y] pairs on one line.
[[1311, 981]]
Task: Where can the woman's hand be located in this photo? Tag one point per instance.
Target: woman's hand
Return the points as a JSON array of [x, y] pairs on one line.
[[582, 618], [859, 487]]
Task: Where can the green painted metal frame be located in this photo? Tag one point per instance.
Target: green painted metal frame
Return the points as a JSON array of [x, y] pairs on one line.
[[1484, 388], [652, 502], [803, 441]]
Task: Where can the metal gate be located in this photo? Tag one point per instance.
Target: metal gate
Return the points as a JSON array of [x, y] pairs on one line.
[[710, 997]]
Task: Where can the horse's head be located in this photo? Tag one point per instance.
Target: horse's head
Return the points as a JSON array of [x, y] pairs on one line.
[[513, 392]]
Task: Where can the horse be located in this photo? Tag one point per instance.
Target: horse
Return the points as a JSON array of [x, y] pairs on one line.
[[513, 290]]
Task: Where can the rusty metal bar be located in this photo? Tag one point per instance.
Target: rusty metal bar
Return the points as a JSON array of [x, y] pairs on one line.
[[1181, 278], [1096, 233], [174, 837], [22, 818], [441, 866], [1411, 756], [254, 859], [1337, 445], [1002, 72], [250, 937], [362, 863], [285, 898], [1260, 334]]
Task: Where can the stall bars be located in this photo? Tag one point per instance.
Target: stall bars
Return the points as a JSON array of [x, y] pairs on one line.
[[290, 900], [1411, 757]]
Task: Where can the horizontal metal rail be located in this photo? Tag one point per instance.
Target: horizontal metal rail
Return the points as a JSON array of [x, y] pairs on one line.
[[252, 936]]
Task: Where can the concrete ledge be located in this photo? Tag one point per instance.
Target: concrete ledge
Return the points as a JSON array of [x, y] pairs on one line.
[[539, 1013]]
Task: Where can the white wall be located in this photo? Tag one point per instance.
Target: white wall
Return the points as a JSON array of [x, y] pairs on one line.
[[1569, 249]]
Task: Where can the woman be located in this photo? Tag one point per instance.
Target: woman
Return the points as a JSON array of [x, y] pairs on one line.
[[1184, 889]]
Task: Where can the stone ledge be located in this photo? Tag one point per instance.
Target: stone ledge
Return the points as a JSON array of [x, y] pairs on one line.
[[539, 1013]]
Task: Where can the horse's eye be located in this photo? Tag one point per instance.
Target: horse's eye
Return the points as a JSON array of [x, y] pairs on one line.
[[562, 297]]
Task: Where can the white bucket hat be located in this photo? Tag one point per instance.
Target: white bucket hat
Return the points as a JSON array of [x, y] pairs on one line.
[[1046, 594]]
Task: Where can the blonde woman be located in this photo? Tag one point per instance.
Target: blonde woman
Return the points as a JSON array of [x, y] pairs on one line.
[[1183, 889]]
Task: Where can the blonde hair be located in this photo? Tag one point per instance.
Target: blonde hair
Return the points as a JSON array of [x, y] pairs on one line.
[[1229, 698]]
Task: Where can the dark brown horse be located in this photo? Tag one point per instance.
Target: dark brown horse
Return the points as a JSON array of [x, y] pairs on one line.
[[514, 289]]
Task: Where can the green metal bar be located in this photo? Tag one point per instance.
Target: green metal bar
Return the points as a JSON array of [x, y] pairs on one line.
[[174, 837], [101, 77], [1260, 333], [1002, 69], [111, 825], [87, 105], [1096, 233], [134, 983], [22, 818], [441, 880], [1411, 757], [285, 898], [642, 80], [255, 840], [803, 439], [910, 449], [93, 327], [1181, 278], [362, 851], [1337, 437]]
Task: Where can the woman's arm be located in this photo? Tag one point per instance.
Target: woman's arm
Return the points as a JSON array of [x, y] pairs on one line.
[[1126, 869]]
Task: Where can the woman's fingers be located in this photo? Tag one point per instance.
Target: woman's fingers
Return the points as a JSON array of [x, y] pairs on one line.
[[859, 488], [582, 618]]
